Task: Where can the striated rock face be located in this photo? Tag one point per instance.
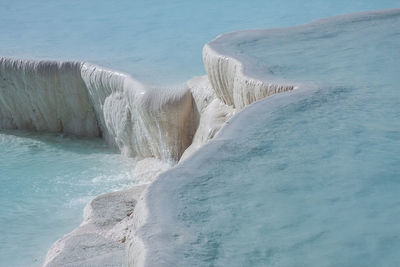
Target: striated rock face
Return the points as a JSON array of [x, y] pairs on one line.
[[87, 100], [45, 96], [140, 120], [229, 82]]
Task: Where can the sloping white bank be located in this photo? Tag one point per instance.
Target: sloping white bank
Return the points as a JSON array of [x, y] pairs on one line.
[[159, 126]]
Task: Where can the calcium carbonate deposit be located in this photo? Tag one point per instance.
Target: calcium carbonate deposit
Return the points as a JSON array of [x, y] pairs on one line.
[[307, 175]]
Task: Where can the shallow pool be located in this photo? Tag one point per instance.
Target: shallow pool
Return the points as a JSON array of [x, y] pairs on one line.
[[45, 182]]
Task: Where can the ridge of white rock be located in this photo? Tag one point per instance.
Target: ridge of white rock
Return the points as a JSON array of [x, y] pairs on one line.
[[158, 126], [231, 84], [84, 99], [87, 100]]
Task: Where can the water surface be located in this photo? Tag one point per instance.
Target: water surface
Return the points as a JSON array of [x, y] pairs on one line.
[[156, 41], [45, 182]]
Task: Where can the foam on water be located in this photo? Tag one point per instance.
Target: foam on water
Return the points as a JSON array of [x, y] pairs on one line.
[[45, 182], [307, 178]]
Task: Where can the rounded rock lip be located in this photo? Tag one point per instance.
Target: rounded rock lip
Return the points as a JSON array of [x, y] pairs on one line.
[[102, 235]]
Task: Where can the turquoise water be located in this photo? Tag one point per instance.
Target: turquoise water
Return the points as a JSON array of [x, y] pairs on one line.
[[154, 40], [306, 178], [45, 182]]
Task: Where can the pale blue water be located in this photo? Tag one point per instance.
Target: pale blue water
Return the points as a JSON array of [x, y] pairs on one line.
[[154, 40], [45, 182], [307, 178]]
